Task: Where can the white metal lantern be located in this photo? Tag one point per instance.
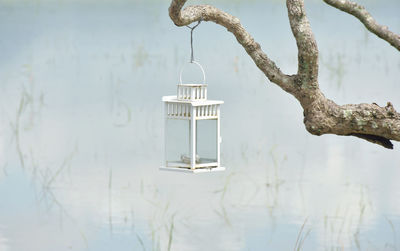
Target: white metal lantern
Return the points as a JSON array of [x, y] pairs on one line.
[[192, 129]]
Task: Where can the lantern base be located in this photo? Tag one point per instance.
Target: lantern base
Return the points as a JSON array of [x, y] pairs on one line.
[[197, 170]]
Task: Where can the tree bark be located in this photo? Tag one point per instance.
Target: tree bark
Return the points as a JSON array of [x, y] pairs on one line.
[[366, 18], [370, 122]]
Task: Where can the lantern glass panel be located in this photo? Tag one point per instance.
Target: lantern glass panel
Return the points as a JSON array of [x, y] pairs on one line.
[[207, 140], [177, 140]]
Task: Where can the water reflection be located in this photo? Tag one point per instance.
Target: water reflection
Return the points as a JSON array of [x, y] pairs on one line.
[[80, 135]]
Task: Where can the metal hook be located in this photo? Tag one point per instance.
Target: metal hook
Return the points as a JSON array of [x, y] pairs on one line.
[[201, 68], [191, 39]]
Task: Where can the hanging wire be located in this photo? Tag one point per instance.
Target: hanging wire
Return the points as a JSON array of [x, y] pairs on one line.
[[191, 39]]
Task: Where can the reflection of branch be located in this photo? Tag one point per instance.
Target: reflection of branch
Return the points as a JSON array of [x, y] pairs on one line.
[[366, 18]]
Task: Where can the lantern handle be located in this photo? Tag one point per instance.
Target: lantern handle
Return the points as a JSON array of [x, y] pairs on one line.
[[201, 68]]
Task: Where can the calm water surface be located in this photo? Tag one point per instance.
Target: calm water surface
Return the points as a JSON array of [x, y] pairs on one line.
[[81, 132]]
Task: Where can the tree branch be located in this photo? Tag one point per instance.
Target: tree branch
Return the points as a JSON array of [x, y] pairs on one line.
[[366, 18], [306, 44], [367, 121], [370, 122], [209, 13]]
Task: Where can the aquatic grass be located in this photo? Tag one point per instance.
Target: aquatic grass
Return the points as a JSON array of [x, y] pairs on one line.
[[27, 100], [46, 178], [66, 162], [273, 180], [162, 218], [140, 242], [224, 215], [171, 233], [336, 67], [300, 237], [49, 195], [110, 201], [256, 191], [393, 232], [16, 127], [343, 228], [4, 169], [224, 189]]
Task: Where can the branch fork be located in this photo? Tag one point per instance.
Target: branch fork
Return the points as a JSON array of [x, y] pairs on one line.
[[370, 122]]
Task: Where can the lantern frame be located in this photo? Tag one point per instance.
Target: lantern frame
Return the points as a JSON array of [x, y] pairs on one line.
[[191, 104]]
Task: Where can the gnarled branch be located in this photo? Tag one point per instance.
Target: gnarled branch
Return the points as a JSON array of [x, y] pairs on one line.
[[321, 116], [306, 45], [366, 18], [367, 121], [210, 13]]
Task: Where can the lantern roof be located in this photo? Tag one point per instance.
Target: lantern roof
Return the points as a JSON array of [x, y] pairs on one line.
[[174, 99], [193, 85]]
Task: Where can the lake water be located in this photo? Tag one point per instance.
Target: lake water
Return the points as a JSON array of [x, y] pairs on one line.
[[81, 132]]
